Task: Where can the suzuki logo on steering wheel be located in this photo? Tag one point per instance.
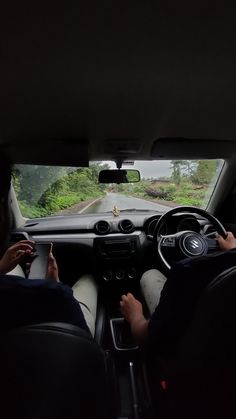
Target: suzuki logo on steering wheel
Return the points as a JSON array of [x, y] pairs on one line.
[[194, 244]]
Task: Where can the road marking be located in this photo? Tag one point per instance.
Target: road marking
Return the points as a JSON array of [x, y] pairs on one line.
[[89, 205]]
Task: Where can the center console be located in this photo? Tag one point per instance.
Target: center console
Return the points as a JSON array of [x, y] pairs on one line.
[[121, 335], [130, 372], [119, 256], [119, 247]]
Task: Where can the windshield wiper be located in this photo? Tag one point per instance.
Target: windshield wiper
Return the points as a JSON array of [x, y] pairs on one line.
[[135, 210]]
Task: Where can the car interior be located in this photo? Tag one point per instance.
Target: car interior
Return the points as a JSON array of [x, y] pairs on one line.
[[88, 82]]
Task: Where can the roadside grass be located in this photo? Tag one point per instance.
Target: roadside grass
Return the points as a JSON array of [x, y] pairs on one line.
[[55, 204]]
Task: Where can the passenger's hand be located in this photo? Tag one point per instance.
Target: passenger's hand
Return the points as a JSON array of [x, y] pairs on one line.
[[52, 272], [15, 254], [228, 243], [131, 308]]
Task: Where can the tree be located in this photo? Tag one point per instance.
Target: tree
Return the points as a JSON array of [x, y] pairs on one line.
[[34, 180], [188, 167], [205, 171], [43, 190], [176, 170]]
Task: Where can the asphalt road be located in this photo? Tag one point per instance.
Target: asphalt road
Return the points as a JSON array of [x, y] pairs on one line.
[[122, 202]]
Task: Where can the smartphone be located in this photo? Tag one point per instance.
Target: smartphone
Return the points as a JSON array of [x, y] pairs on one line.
[[39, 265]]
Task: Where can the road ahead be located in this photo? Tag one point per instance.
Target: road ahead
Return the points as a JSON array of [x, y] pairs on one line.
[[122, 202]]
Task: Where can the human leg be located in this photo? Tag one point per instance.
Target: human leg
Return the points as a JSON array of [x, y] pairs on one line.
[[85, 291], [151, 283]]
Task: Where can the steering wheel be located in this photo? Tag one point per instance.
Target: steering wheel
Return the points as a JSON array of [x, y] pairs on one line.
[[186, 243]]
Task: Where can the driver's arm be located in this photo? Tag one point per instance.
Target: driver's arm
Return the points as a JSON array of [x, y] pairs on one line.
[[228, 243]]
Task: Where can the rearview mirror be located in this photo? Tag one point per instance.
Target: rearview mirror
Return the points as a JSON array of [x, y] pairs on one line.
[[119, 176]]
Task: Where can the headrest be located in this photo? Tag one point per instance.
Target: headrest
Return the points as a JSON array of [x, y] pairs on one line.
[[52, 370], [212, 333]]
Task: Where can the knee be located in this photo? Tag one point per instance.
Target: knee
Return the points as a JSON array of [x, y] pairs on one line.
[[148, 276], [86, 282], [87, 278]]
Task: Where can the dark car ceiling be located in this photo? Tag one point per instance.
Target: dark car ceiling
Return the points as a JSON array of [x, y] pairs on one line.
[[130, 72]]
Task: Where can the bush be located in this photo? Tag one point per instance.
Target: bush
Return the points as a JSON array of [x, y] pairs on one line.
[[43, 191], [32, 211], [188, 194], [53, 204], [184, 194]]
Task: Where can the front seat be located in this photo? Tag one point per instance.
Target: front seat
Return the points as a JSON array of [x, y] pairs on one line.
[[52, 371], [203, 383]]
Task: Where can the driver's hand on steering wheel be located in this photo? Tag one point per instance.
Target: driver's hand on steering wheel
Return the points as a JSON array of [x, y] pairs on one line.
[[228, 243]]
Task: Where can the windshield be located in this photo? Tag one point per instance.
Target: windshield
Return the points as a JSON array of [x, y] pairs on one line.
[[48, 190]]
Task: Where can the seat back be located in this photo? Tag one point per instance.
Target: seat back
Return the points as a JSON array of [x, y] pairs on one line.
[[203, 385], [52, 371]]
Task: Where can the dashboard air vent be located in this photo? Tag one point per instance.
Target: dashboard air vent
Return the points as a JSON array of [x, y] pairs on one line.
[[126, 226], [102, 227]]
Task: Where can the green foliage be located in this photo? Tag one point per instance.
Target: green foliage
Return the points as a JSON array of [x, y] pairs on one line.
[[204, 172], [16, 181], [176, 170], [139, 188], [44, 190], [188, 194], [199, 172], [188, 189], [34, 180], [132, 176]]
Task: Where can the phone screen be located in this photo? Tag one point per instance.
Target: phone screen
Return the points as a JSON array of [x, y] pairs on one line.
[[39, 266]]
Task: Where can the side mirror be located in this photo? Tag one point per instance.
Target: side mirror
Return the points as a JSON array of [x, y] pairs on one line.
[[119, 176]]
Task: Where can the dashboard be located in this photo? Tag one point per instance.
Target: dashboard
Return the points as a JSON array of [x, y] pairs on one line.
[[106, 224], [113, 248], [177, 223]]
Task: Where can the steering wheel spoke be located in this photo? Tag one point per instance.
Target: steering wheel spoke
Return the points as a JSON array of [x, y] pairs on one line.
[[186, 243], [168, 240], [212, 244]]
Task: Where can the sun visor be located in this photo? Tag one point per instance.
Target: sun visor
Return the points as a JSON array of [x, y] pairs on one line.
[[56, 153], [175, 148]]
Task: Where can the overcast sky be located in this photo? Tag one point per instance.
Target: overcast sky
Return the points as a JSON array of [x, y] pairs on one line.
[[149, 168]]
